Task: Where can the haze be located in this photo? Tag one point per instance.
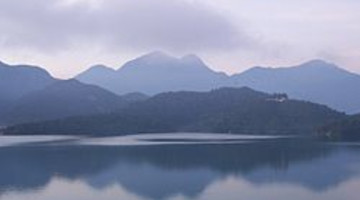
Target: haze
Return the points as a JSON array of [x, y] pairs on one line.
[[68, 36]]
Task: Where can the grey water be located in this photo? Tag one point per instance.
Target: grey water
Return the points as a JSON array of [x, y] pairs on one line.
[[278, 169]]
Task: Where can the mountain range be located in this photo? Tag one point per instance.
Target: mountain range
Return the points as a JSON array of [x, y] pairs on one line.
[[62, 99], [19, 80], [154, 73], [316, 81], [225, 110], [30, 94]]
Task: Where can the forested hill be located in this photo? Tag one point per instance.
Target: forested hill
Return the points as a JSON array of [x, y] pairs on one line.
[[346, 130], [317, 81], [63, 98], [225, 110]]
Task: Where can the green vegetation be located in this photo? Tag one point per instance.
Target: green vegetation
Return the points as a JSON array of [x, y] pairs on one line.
[[226, 110], [345, 130], [62, 99]]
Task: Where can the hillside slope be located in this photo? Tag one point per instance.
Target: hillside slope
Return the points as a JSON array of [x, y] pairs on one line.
[[226, 110]]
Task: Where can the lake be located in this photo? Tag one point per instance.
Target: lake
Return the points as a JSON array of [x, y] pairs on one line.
[[177, 168]]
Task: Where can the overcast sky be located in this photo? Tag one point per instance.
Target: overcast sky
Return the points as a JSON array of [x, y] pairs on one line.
[[68, 36]]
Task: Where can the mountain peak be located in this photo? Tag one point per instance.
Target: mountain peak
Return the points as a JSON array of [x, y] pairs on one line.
[[192, 58], [96, 70], [26, 69], [100, 67], [317, 63], [155, 55], [256, 69], [159, 57], [194, 61]]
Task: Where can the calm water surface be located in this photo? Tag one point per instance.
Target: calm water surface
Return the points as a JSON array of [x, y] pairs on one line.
[[275, 169]]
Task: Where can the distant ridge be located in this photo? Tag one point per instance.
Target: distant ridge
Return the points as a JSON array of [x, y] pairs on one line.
[[154, 73], [63, 99], [225, 110], [17, 81], [316, 81]]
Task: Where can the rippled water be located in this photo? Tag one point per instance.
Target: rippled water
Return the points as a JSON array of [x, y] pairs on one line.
[[258, 169]]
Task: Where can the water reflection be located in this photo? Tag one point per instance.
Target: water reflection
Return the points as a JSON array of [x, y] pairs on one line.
[[278, 168]]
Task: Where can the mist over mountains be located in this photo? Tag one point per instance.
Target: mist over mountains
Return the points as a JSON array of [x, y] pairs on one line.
[[317, 81], [225, 110], [19, 80], [154, 73], [63, 99], [29, 94]]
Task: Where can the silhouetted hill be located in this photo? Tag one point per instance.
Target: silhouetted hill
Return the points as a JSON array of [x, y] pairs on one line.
[[315, 81], [155, 73], [19, 80], [223, 110], [63, 99], [100, 75], [30, 94], [346, 130]]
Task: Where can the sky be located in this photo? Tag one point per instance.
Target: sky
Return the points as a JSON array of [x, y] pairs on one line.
[[68, 36]]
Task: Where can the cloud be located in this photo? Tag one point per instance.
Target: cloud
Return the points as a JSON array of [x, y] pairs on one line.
[[123, 24]]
